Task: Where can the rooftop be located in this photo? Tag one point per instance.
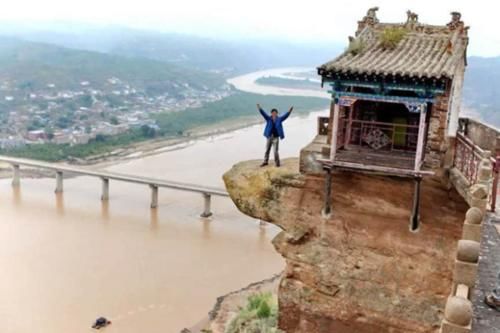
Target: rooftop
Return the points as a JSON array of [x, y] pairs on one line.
[[420, 50]]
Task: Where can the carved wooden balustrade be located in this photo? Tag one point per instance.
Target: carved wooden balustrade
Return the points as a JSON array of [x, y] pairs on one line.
[[382, 136]]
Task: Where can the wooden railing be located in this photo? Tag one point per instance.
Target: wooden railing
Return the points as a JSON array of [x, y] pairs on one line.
[[391, 136], [468, 156]]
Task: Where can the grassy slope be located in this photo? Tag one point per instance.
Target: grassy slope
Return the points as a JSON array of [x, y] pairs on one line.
[[39, 64]]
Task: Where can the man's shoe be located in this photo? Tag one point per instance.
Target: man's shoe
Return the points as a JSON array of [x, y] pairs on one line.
[[492, 302], [264, 164], [278, 164]]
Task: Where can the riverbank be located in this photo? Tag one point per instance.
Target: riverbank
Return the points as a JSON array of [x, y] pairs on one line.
[[144, 149], [227, 307], [236, 108], [146, 270]]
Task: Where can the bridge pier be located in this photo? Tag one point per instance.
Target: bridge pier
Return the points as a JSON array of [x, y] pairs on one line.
[[154, 195], [105, 189], [59, 182], [207, 203], [106, 177], [16, 178]]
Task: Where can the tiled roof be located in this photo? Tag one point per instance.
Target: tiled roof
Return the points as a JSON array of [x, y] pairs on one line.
[[424, 51]]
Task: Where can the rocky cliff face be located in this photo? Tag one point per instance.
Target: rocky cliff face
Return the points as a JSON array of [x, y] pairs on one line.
[[361, 269]]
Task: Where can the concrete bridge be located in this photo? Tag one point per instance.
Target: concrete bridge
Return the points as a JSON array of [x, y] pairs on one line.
[[60, 169]]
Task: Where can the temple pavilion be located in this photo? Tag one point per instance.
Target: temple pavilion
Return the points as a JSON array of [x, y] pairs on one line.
[[396, 94]]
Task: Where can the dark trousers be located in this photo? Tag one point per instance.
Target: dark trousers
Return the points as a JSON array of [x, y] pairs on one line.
[[275, 143]]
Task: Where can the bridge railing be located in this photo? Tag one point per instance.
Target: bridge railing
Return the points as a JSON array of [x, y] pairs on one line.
[[154, 183]]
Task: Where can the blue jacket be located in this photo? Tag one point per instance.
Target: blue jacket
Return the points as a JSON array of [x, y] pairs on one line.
[[278, 123]]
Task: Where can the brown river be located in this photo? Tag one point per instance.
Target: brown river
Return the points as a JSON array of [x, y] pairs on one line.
[[68, 259]]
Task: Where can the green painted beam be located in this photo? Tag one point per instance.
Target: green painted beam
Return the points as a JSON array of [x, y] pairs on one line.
[[381, 98]]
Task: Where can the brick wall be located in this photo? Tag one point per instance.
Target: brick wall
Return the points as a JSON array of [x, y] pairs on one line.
[[437, 141]]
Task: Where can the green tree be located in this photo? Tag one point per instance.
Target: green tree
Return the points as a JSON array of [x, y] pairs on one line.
[[148, 131], [50, 133]]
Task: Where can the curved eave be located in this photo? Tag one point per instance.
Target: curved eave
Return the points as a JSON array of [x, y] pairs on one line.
[[326, 74]]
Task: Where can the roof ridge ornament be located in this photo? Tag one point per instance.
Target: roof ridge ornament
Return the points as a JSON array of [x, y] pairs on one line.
[[370, 19], [371, 15], [456, 21], [411, 19]]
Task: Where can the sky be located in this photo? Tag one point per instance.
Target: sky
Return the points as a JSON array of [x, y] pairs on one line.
[[303, 20]]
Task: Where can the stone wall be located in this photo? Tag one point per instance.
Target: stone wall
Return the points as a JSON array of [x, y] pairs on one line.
[[458, 310], [476, 194], [437, 141], [456, 99], [485, 136]]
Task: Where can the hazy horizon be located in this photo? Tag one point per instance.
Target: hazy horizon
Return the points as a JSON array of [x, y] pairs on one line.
[[315, 22]]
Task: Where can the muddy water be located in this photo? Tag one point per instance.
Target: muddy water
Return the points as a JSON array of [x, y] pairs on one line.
[[247, 83], [67, 259]]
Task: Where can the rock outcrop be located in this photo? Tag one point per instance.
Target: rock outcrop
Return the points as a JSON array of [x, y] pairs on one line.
[[361, 269]]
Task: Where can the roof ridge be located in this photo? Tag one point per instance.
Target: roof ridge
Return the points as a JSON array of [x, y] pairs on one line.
[[424, 51]]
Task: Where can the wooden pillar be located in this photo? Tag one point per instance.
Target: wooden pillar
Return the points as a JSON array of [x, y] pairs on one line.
[[415, 213], [330, 123], [59, 182], [16, 177], [335, 128], [207, 203], [347, 138], [105, 189], [328, 192], [154, 195], [421, 136]]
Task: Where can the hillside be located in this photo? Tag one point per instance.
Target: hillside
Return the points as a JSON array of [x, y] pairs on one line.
[[73, 95], [227, 56], [33, 65], [482, 87]]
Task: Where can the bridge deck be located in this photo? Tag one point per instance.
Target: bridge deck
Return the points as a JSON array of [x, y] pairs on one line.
[[116, 176]]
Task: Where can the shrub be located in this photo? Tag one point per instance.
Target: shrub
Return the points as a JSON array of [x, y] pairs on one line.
[[391, 37], [260, 315]]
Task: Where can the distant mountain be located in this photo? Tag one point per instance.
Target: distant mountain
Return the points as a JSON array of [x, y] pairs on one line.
[[29, 65], [230, 57], [233, 57], [482, 88]]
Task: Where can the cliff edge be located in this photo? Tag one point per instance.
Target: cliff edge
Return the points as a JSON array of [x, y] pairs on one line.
[[360, 269]]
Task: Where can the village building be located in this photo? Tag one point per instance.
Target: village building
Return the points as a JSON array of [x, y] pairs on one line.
[[36, 135]]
